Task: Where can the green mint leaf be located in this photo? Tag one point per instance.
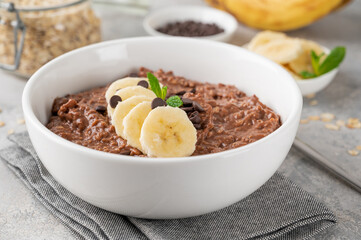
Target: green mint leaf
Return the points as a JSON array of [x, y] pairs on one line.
[[164, 92], [332, 60], [315, 61], [306, 74], [154, 85], [174, 101]]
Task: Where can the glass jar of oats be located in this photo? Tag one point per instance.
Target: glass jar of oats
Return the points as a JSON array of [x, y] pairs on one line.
[[33, 32]]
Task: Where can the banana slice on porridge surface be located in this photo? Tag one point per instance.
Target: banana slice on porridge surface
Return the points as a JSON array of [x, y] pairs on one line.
[[129, 92], [123, 83], [133, 123], [168, 132], [123, 108]]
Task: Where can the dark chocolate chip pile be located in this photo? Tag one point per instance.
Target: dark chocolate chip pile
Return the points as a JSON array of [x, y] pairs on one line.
[[192, 108], [190, 29]]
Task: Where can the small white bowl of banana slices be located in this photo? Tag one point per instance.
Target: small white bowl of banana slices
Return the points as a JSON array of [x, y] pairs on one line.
[[294, 55]]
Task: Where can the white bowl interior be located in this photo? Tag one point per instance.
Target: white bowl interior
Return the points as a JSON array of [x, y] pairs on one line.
[[194, 59], [166, 15]]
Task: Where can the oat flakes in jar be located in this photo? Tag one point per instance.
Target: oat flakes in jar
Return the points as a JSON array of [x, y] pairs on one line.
[[33, 32]]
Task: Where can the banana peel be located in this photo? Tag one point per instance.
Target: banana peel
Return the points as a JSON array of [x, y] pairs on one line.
[[278, 15]]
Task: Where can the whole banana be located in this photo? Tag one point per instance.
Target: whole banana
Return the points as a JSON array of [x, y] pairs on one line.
[[278, 15]]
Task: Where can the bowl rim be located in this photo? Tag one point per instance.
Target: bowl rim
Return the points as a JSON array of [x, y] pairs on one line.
[[220, 36], [111, 157]]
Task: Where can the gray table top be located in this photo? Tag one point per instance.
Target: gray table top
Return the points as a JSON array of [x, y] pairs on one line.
[[23, 217]]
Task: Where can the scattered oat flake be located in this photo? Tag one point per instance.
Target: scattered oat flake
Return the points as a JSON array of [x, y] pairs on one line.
[[2, 123], [332, 126], [314, 118], [313, 102], [21, 121], [340, 123], [358, 147], [304, 121], [353, 123], [327, 117], [353, 152], [11, 131], [312, 95]]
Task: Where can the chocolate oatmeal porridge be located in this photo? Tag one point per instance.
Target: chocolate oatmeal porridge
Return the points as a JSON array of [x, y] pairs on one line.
[[225, 118]]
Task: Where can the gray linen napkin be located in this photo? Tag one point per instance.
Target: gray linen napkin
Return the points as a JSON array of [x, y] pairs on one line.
[[278, 210]]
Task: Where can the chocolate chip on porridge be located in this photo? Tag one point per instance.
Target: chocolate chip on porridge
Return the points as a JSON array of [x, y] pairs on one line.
[[114, 101], [143, 83], [101, 109], [158, 102]]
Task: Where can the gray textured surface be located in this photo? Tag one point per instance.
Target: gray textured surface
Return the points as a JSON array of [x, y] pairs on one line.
[[23, 217]]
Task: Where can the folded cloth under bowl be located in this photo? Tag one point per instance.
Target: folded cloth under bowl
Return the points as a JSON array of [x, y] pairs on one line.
[[278, 210]]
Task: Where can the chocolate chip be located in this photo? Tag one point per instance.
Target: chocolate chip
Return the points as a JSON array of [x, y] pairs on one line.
[[143, 83], [195, 119], [125, 152], [114, 101], [197, 107], [158, 102], [197, 126], [192, 114], [133, 74], [187, 109], [180, 93], [187, 102], [100, 109], [193, 90]]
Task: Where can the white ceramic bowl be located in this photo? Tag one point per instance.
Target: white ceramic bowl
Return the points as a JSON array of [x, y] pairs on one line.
[[161, 187], [314, 85], [162, 16]]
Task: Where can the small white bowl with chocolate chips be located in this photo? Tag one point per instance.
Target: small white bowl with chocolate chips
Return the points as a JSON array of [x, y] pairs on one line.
[[191, 21], [231, 123]]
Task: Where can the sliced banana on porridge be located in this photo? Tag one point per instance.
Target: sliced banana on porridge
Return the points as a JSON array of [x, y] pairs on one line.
[[133, 123], [150, 121], [126, 93], [123, 83], [123, 108], [168, 132]]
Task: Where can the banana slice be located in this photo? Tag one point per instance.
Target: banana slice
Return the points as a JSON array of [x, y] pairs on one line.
[[281, 50], [123, 108], [128, 92], [263, 38], [303, 62], [167, 132], [133, 123], [121, 83]]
